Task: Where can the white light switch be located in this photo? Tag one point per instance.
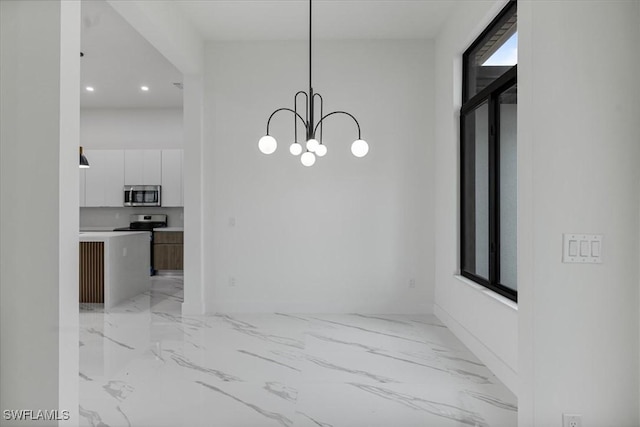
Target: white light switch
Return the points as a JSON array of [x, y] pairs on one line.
[[582, 248]]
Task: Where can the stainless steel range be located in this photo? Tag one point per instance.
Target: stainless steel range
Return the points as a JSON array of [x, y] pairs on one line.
[[141, 222]]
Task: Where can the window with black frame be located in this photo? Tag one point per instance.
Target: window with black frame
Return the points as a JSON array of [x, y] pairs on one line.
[[488, 157]]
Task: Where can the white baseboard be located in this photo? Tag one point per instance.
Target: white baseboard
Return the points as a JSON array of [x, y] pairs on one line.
[[192, 309]]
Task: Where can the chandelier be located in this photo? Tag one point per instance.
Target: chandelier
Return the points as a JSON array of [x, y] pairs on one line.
[[313, 131]]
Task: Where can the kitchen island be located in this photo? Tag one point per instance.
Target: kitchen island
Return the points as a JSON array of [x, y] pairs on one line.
[[114, 266]]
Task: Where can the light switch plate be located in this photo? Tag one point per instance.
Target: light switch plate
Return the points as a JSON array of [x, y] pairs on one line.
[[582, 248]]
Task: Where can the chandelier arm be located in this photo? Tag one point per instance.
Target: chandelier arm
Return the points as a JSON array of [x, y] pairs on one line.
[[307, 100], [295, 107], [339, 112], [321, 114], [282, 109]]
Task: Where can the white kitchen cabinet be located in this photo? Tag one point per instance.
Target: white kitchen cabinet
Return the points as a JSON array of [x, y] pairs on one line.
[[142, 167], [83, 176], [172, 178], [104, 179]]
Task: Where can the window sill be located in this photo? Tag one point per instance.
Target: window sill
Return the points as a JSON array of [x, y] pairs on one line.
[[506, 301]]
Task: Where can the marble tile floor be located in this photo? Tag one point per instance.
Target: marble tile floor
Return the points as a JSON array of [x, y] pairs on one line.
[[144, 364]]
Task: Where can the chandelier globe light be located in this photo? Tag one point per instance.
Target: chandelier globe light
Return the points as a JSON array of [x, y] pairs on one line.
[[312, 144], [359, 148], [295, 149], [321, 150], [313, 147], [308, 158], [267, 144]]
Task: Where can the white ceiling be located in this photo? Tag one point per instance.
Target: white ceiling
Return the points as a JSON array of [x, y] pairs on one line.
[[332, 19], [118, 60]]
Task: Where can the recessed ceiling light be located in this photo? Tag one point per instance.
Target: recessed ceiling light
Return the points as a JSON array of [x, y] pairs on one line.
[[89, 88], [144, 88]]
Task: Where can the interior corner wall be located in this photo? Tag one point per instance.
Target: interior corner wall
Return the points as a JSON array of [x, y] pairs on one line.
[[486, 322], [579, 134], [39, 85], [171, 33], [638, 68], [347, 234], [69, 185], [130, 128], [194, 292]]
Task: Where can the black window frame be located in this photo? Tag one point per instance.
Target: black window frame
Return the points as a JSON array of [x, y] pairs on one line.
[[491, 96]]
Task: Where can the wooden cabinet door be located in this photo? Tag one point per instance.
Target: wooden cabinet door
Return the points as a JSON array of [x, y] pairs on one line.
[[168, 250], [168, 237], [168, 256]]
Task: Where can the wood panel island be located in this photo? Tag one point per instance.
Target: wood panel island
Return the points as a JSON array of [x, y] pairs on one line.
[[114, 266]]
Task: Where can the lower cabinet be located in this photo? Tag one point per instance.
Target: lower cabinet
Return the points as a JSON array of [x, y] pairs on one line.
[[168, 250]]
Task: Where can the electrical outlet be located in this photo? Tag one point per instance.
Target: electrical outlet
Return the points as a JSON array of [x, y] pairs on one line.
[[232, 281], [412, 283], [124, 251], [571, 420]]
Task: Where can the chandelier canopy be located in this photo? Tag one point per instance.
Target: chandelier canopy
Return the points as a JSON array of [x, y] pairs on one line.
[[313, 131]]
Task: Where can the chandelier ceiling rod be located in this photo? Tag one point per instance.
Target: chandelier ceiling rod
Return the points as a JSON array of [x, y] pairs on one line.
[[310, 56], [314, 147]]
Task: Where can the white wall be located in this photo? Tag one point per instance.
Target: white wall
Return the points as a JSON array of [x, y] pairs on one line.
[[131, 128], [39, 83], [347, 234], [579, 137], [484, 321]]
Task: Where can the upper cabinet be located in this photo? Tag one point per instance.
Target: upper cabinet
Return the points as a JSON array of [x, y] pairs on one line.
[[101, 185], [172, 178], [104, 179], [142, 167]]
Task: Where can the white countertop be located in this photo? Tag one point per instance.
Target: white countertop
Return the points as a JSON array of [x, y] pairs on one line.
[[88, 236], [169, 229], [91, 228]]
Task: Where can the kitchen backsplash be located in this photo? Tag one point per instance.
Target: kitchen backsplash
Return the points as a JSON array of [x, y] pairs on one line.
[[119, 217]]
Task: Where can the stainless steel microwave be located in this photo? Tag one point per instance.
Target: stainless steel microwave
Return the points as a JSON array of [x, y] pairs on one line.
[[142, 195]]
